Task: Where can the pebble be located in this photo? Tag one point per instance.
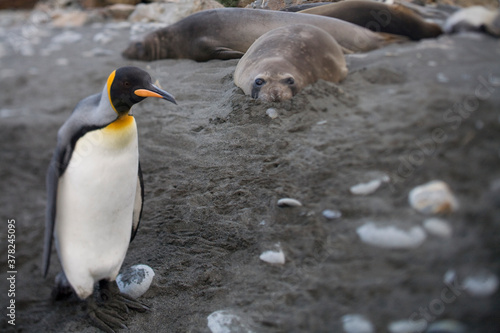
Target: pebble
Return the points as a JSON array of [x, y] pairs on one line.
[[355, 323], [370, 187], [482, 284], [449, 277], [438, 227], [97, 52], [407, 326], [434, 197], [332, 214], [104, 37], [62, 62], [67, 37], [446, 326], [442, 78], [272, 113], [289, 202], [225, 321], [391, 237], [273, 257], [136, 280]]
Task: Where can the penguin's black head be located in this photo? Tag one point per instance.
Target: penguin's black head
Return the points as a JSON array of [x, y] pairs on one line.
[[130, 85]]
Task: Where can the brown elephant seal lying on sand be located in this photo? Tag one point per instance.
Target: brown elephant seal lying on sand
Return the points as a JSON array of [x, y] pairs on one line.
[[227, 33], [283, 61], [394, 19]]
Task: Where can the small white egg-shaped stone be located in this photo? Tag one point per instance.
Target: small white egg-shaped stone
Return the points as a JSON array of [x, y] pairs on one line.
[[434, 197], [332, 214], [355, 323], [225, 321], [273, 257], [482, 284], [272, 113], [438, 227], [391, 237], [289, 202], [446, 326], [366, 188], [407, 326], [136, 280]]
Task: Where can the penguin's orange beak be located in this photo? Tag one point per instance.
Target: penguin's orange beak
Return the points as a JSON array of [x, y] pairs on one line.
[[154, 91]]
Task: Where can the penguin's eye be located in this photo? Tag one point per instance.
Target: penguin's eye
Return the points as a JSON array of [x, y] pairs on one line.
[[290, 81], [259, 82], [126, 84]]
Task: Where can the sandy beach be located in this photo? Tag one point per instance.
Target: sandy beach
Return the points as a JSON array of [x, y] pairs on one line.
[[215, 166]]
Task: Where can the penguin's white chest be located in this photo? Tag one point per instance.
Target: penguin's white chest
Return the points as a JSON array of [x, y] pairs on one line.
[[95, 205]]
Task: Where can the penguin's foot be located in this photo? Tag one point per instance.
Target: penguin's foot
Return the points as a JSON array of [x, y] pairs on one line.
[[103, 318], [62, 289], [110, 293]]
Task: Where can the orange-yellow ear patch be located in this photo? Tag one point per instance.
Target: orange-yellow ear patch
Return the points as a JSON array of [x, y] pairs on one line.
[[109, 83], [147, 93]]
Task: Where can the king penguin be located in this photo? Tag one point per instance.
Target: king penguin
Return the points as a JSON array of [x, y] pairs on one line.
[[95, 192]]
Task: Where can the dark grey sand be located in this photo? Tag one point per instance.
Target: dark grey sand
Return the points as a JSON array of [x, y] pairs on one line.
[[215, 165]]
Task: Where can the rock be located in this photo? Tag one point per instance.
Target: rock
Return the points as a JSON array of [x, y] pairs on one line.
[[355, 323], [274, 4], [65, 19], [369, 187], [481, 284], [289, 202], [434, 197], [272, 113], [67, 37], [170, 12], [225, 321], [273, 256], [438, 227], [119, 11], [407, 326], [332, 214], [136, 280], [446, 326], [391, 237]]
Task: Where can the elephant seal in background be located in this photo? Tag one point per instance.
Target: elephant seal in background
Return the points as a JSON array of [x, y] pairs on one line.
[[394, 19], [227, 33], [283, 61]]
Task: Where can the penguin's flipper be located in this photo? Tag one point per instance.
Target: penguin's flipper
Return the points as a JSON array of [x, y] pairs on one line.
[[52, 182], [138, 203]]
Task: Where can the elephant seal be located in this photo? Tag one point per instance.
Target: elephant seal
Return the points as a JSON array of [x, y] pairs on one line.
[[283, 61], [394, 19], [227, 33]]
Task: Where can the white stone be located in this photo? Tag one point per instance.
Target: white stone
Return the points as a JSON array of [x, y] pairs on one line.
[[391, 237], [446, 326], [332, 214], [67, 37], [407, 326], [482, 284], [369, 187], [272, 113], [273, 257], [225, 321], [355, 323], [450, 276], [438, 227], [289, 202], [136, 280], [169, 12], [434, 197]]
